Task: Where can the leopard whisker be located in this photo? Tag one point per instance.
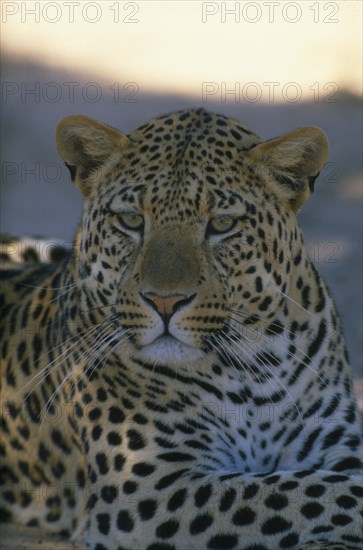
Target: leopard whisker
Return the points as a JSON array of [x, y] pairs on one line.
[[49, 368], [262, 323], [230, 352], [115, 336], [242, 349], [289, 353], [84, 357], [297, 304], [81, 334], [101, 346], [251, 357], [69, 287]]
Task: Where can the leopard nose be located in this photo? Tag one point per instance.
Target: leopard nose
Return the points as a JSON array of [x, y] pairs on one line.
[[166, 306]]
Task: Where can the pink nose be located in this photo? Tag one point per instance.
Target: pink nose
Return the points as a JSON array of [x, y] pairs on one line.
[[166, 305]]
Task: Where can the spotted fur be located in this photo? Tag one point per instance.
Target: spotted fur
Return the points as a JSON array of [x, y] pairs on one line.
[[180, 380]]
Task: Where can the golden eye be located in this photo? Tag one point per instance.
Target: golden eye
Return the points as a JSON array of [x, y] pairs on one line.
[[221, 224], [131, 221]]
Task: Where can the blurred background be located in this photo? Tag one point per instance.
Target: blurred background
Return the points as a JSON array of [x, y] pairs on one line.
[[272, 65]]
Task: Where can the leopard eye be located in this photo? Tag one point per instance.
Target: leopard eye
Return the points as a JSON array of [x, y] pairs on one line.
[[220, 225], [131, 221]]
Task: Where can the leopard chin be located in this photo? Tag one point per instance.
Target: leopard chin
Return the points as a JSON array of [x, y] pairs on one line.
[[167, 350]]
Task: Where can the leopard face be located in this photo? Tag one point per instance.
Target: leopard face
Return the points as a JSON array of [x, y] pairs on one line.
[[180, 243]]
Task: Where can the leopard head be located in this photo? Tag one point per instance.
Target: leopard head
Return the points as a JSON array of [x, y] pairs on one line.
[[189, 230]]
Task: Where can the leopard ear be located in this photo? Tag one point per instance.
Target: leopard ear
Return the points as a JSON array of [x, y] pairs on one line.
[[86, 146], [292, 163]]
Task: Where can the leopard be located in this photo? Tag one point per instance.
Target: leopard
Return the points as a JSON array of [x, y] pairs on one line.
[[179, 380]]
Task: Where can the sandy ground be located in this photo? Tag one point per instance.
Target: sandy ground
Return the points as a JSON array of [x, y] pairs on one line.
[[37, 197]]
